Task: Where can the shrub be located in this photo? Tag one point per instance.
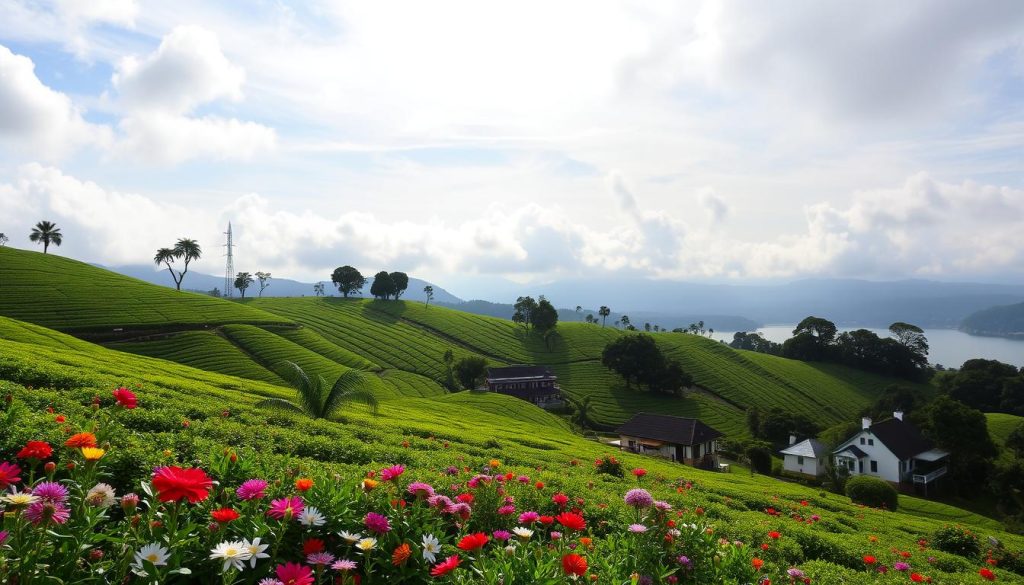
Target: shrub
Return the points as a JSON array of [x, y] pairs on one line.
[[760, 457], [872, 491], [958, 541], [609, 465]]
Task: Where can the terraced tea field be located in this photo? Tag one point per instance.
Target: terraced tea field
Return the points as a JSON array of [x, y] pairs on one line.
[[206, 350]]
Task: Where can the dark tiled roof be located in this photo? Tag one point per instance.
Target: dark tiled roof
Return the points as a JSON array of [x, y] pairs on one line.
[[670, 429], [902, 438], [852, 449], [519, 372]]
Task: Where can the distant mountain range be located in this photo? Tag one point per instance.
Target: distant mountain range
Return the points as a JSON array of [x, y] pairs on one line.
[[1000, 321]]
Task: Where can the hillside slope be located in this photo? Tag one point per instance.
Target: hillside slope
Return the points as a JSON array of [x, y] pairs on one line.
[[1002, 321], [72, 296]]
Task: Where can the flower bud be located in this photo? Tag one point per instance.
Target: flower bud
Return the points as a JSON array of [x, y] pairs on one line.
[[50, 467], [129, 502], [95, 555]]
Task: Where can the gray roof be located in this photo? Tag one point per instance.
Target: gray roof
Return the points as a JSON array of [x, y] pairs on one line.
[[519, 372], [807, 448], [670, 429]]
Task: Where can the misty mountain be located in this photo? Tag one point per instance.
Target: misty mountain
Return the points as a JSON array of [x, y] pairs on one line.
[[279, 287], [1000, 321]]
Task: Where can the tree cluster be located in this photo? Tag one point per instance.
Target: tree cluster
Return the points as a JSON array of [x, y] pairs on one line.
[[539, 315], [904, 355], [755, 342], [775, 425], [987, 385], [386, 285], [638, 359]]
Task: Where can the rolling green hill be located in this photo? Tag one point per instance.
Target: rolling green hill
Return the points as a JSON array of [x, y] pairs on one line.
[[451, 431], [72, 296], [1000, 425]]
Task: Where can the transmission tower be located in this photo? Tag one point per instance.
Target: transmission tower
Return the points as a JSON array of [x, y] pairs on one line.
[[229, 270]]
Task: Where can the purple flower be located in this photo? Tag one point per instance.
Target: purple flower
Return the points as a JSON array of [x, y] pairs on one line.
[[452, 470], [523, 479], [439, 501], [528, 517], [344, 565], [47, 512], [270, 581], [507, 510], [320, 558], [377, 523], [253, 489], [3, 536], [555, 535], [420, 489], [901, 566], [51, 491], [663, 506], [685, 561], [639, 498], [637, 528], [501, 535], [795, 573]]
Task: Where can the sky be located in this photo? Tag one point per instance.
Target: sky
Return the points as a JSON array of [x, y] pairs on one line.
[[467, 142]]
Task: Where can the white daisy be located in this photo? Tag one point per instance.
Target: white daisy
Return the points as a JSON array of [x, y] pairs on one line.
[[234, 553], [153, 553], [255, 549], [350, 537], [431, 547], [310, 516], [522, 532], [366, 544]]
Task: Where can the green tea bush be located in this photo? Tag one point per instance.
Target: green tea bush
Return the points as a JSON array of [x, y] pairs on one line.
[[872, 491], [957, 540]]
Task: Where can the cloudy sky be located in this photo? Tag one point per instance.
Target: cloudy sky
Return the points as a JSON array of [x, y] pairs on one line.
[[464, 141]]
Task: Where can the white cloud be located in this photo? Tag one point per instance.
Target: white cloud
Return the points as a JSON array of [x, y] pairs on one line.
[[66, 22], [159, 92], [35, 119], [714, 206]]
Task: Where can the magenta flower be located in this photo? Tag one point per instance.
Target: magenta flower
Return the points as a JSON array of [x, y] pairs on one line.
[[377, 523], [662, 506], [3, 536], [390, 473], [253, 489], [344, 565], [901, 566], [420, 489], [294, 574], [528, 517], [51, 491], [555, 535], [9, 474], [637, 528], [639, 498], [501, 535], [286, 508], [439, 501], [523, 479], [321, 559], [507, 510], [47, 512]]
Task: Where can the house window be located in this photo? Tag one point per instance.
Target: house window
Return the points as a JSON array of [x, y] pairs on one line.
[[799, 460], [874, 467], [862, 440], [871, 441]]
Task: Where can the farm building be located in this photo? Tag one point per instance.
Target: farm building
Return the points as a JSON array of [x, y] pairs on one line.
[[893, 450], [686, 440], [534, 384], [808, 457]]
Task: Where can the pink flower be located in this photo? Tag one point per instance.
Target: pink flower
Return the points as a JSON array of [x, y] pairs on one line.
[[294, 574], [390, 473], [51, 491], [420, 489], [253, 489], [9, 474], [377, 523], [507, 510], [47, 512], [528, 517], [286, 508], [320, 558]]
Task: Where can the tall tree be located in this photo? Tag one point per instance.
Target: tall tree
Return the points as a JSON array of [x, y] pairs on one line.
[[963, 431], [429, 292], [634, 357], [544, 317], [823, 329], [911, 337], [264, 280], [604, 312], [625, 321], [470, 371], [166, 256], [383, 286], [3, 239], [348, 280], [524, 308], [186, 250], [47, 233], [243, 281], [318, 289], [401, 282], [316, 399]]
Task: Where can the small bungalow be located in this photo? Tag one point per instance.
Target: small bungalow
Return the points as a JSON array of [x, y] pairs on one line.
[[893, 450], [686, 440], [808, 457], [534, 384]]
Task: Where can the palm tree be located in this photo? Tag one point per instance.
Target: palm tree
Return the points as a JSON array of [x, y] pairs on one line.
[[188, 250], [604, 312], [166, 256], [315, 399], [47, 233]]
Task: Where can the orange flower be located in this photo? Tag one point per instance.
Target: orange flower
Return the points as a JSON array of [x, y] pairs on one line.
[[494, 463], [369, 484], [400, 555], [92, 453], [585, 541], [758, 563], [303, 484], [81, 440]]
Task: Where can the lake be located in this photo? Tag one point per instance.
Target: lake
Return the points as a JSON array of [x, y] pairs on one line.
[[948, 347]]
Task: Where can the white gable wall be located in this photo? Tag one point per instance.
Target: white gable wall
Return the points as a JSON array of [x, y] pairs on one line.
[[888, 463], [810, 465]]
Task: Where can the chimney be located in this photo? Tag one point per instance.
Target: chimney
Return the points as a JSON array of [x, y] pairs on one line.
[[792, 439], [898, 415], [865, 423]]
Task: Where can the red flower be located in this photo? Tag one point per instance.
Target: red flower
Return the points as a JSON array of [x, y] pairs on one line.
[[9, 474], [987, 575], [571, 521], [295, 574], [59, 418], [774, 535], [224, 515], [472, 542], [539, 485], [35, 450], [81, 440], [465, 498], [758, 563], [303, 484], [574, 564], [546, 519], [639, 472], [869, 560], [176, 483], [126, 398], [312, 545], [446, 566], [560, 499], [916, 578]]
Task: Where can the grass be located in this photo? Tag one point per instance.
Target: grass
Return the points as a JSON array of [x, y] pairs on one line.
[[68, 295], [428, 434], [1000, 425]]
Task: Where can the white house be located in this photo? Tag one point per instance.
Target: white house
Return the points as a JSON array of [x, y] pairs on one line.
[[808, 457], [893, 450], [686, 440]]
